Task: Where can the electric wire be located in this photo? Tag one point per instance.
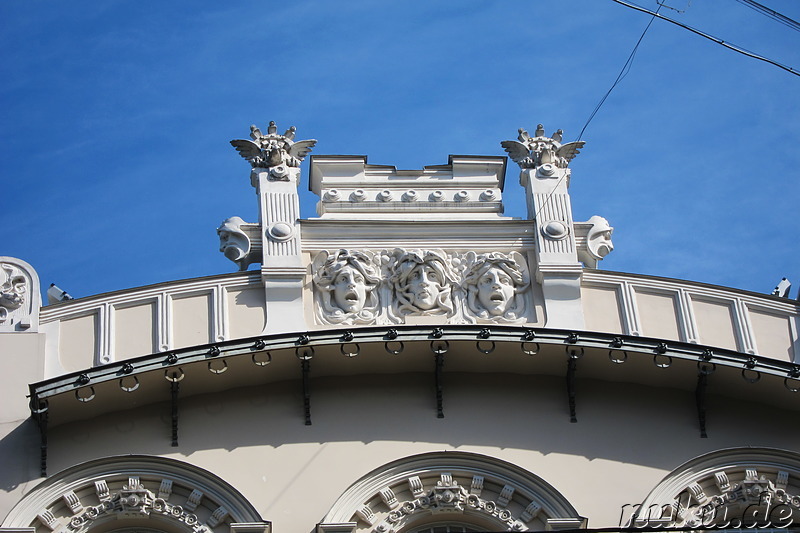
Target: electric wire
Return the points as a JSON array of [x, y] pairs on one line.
[[771, 13], [622, 73], [717, 40], [626, 68]]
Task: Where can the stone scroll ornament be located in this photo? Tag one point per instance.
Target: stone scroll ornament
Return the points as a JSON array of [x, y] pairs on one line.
[[537, 150], [13, 290], [421, 283], [234, 242], [273, 151], [346, 287], [598, 240], [495, 285]]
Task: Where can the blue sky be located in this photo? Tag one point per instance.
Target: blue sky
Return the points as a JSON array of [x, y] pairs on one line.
[[116, 117]]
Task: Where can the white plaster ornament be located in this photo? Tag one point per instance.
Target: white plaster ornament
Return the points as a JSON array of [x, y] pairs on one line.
[[234, 242], [495, 285], [346, 284], [421, 283], [537, 151], [273, 151]]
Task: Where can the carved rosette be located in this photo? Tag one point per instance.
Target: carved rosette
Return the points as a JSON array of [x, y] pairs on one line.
[[401, 285]]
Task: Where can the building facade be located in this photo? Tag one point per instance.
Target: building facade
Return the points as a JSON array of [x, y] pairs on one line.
[[409, 361]]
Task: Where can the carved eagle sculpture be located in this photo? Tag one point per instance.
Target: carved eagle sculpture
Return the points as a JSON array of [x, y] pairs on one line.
[[272, 150], [531, 152]]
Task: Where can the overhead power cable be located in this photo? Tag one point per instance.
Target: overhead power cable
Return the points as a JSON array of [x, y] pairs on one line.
[[622, 73], [711, 37], [771, 13]]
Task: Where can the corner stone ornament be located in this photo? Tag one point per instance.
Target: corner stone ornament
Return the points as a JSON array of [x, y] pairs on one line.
[[539, 150], [273, 151]]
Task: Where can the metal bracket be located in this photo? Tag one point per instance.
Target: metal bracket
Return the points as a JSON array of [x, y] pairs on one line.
[[174, 388], [572, 365], [306, 366], [700, 399], [41, 420], [439, 395]]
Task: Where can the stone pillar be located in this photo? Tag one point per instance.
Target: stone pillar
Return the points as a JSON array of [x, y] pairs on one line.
[[281, 266], [275, 241], [544, 174]]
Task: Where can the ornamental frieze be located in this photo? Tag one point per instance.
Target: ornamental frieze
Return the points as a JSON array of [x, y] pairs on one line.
[[402, 285]]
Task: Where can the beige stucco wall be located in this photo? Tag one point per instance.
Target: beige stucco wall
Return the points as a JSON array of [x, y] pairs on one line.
[[21, 362], [627, 438]]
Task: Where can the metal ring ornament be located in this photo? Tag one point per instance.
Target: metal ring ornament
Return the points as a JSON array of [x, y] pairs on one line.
[[751, 380], [440, 347], [526, 348], [85, 399], [397, 351], [349, 352], [132, 387], [175, 377], [618, 360], [662, 364], [706, 368], [264, 362], [304, 353], [574, 353], [486, 351], [789, 379], [221, 370]]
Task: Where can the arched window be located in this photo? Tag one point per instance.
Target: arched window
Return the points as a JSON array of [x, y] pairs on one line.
[[733, 488], [135, 494], [449, 492]]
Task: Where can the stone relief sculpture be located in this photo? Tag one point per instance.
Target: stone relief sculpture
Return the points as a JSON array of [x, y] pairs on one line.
[[533, 152], [599, 237], [598, 241], [365, 287], [12, 290], [19, 296], [273, 151], [495, 285], [421, 283], [234, 242], [347, 284]]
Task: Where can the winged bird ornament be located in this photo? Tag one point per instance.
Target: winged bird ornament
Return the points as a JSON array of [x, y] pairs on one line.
[[532, 152], [273, 151]]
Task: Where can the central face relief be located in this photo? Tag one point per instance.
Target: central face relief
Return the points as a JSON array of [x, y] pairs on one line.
[[423, 284], [350, 290], [495, 291]]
